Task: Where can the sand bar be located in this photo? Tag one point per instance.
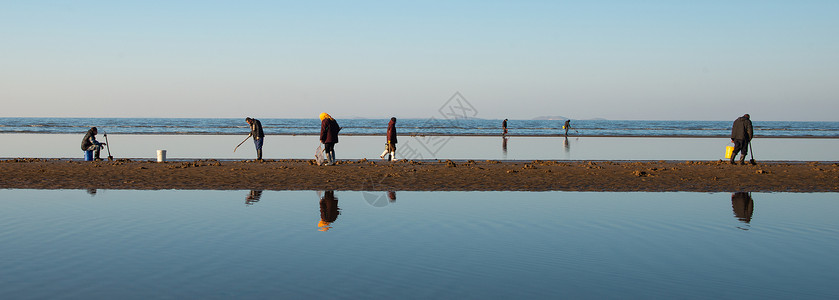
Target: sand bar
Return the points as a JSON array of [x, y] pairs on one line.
[[463, 175]]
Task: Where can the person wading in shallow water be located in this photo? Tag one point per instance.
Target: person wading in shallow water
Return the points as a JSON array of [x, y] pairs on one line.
[[257, 134], [89, 143], [567, 126], [741, 135], [504, 125], [329, 136], [390, 147]]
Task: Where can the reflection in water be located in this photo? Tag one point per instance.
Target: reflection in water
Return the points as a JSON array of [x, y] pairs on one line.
[[567, 146], [743, 206], [504, 146], [91, 192], [391, 196], [329, 210], [253, 197]]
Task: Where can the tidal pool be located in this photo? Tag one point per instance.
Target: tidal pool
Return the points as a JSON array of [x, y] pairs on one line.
[[122, 244]]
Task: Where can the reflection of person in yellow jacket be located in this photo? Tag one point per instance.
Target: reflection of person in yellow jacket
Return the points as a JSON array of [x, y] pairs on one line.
[[329, 210]]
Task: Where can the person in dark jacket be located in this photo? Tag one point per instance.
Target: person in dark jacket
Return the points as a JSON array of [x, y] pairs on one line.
[[329, 136], [504, 125], [390, 147], [567, 126], [257, 134], [89, 142], [741, 135]]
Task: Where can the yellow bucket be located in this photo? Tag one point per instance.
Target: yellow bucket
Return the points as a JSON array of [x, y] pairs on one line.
[[728, 151]]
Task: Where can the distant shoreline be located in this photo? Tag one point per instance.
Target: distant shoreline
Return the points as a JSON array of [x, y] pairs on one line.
[[453, 135]]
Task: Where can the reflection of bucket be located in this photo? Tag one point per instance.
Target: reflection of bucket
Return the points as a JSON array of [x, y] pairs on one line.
[[88, 155], [728, 151], [161, 155]]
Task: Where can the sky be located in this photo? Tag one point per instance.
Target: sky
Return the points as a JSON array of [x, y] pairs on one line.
[[625, 60]]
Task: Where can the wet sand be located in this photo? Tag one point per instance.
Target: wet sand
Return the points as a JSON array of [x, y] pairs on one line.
[[430, 175]]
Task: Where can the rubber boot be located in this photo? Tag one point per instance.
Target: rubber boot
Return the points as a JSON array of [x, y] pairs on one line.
[[383, 154], [392, 155], [96, 154], [733, 155], [259, 154], [742, 159]]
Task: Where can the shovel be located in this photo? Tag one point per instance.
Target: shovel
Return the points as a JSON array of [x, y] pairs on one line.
[[752, 154], [107, 146], [237, 146]]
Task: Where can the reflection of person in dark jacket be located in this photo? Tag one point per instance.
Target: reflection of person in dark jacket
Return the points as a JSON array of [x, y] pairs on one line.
[[329, 210], [743, 206], [741, 135], [89, 142], [257, 134], [329, 136], [253, 197], [391, 140]]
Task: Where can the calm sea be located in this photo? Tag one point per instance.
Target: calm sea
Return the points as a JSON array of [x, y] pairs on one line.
[[459, 127], [114, 244]]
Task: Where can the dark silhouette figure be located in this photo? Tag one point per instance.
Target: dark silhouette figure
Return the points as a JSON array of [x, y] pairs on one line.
[[391, 196], [741, 134], [329, 210], [253, 197], [567, 126], [504, 124], [743, 206]]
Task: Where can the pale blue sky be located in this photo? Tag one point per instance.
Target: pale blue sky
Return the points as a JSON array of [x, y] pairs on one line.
[[679, 60]]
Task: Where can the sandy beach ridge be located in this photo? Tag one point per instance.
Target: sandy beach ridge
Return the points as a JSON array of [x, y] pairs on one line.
[[430, 175]]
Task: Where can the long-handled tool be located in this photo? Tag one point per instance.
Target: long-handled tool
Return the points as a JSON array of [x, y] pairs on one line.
[[237, 146], [107, 146], [752, 154]]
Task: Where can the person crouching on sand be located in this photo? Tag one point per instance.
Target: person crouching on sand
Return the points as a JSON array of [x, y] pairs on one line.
[[329, 136], [89, 142], [390, 147]]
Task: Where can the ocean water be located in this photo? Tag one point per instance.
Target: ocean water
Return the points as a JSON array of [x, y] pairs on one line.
[[432, 126], [119, 244]]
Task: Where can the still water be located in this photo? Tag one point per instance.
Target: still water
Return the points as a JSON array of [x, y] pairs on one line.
[[72, 244]]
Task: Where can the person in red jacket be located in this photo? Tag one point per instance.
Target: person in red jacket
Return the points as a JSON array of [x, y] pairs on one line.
[[390, 147], [329, 136]]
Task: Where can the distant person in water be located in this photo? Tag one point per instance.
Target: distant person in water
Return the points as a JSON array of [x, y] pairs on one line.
[[390, 146], [567, 126], [741, 135], [329, 136], [89, 143], [504, 125], [257, 134]]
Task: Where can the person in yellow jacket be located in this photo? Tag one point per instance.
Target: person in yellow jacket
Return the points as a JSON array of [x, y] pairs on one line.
[[329, 136]]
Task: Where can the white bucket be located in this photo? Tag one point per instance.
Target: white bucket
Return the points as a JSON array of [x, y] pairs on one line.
[[161, 155]]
